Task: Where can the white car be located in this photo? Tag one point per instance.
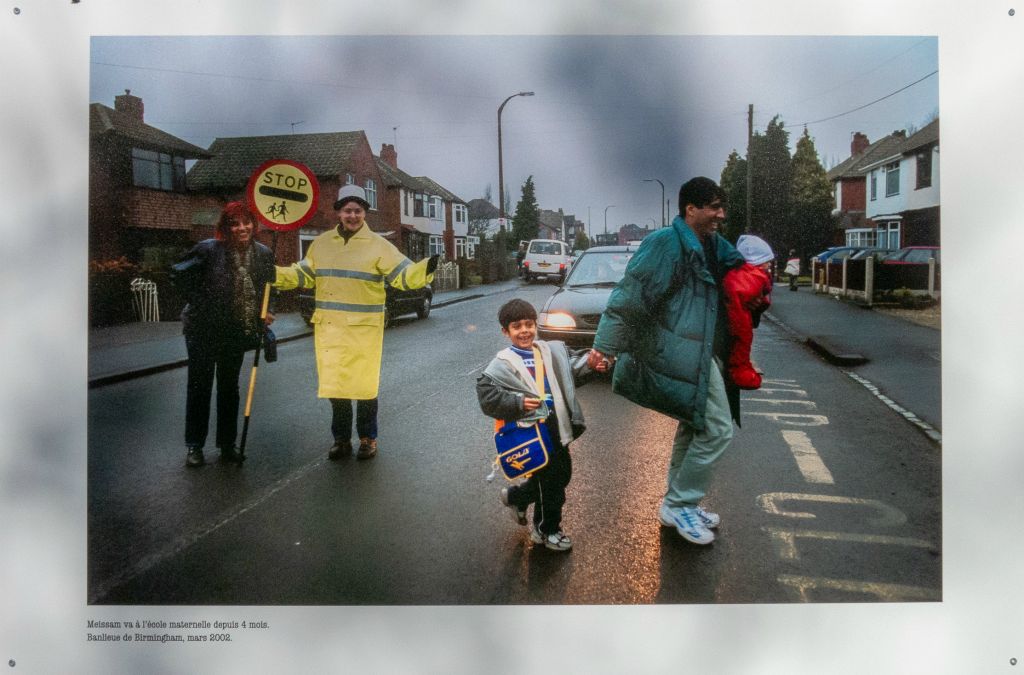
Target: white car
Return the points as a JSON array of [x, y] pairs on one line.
[[546, 258]]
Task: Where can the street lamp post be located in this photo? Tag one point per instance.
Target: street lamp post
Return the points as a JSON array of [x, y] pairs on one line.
[[655, 180], [610, 206], [501, 173]]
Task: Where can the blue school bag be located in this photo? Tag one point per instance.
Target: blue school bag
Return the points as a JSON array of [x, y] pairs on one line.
[[523, 449]]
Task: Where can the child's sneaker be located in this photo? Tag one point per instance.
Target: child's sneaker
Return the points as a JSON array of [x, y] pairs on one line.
[[518, 514], [556, 542], [688, 524]]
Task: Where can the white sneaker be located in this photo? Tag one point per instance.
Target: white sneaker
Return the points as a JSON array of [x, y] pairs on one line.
[[518, 514], [556, 542], [710, 520], [688, 524]]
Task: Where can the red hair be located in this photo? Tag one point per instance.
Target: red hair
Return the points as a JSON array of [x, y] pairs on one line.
[[232, 211]]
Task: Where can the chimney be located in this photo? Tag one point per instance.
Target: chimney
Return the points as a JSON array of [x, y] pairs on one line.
[[859, 143], [388, 155], [128, 104]]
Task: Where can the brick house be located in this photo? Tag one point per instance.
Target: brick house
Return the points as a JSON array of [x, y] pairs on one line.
[[855, 187], [137, 187], [903, 190], [402, 205], [336, 159], [449, 223]]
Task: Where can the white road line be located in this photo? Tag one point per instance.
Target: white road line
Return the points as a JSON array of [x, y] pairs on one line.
[[884, 592], [929, 431], [807, 458]]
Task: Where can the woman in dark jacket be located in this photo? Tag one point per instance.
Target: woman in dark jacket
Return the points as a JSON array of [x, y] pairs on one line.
[[223, 280]]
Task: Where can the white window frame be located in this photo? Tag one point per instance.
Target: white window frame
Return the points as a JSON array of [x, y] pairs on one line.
[[460, 247], [471, 243], [459, 213], [350, 179], [435, 208], [371, 193], [873, 180], [436, 245], [861, 236], [892, 179]]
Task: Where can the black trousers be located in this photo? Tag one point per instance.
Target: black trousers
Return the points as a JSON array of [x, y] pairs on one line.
[[545, 489], [209, 359], [341, 418]]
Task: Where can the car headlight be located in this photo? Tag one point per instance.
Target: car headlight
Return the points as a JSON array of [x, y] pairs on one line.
[[559, 320]]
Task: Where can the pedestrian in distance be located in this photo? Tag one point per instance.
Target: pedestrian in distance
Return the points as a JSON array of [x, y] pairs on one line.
[[742, 286], [223, 281], [793, 268], [348, 266], [507, 390], [665, 325]]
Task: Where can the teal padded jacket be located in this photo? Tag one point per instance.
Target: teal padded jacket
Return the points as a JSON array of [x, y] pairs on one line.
[[661, 319]]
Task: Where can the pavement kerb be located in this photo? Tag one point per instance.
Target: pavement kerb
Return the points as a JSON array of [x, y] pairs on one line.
[[834, 354], [113, 378]]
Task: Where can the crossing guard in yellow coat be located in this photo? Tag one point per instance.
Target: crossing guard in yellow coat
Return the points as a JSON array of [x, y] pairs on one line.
[[348, 267]]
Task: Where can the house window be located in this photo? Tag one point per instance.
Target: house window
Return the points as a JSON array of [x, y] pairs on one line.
[[434, 208], [371, 193], [157, 170], [874, 186], [460, 247], [860, 237], [924, 169], [406, 198], [436, 245], [459, 213], [349, 179], [892, 179], [892, 235], [418, 208], [471, 244]]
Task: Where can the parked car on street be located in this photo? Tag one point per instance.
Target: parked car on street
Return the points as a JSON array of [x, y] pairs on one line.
[[877, 253], [909, 255], [546, 258], [573, 312], [836, 253], [416, 301]]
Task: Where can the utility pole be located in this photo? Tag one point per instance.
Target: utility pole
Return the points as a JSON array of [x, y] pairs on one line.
[[750, 163]]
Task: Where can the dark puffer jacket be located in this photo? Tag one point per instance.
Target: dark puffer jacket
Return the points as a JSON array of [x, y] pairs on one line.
[[661, 322]]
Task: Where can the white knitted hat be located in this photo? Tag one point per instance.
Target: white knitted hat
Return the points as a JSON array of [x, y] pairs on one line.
[[754, 250]]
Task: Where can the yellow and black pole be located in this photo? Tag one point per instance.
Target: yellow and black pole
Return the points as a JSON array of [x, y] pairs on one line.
[[256, 359]]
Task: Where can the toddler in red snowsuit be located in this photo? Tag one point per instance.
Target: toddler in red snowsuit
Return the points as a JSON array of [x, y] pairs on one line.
[[741, 285]]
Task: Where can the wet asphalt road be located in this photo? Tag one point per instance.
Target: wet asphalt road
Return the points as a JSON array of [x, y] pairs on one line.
[[825, 494]]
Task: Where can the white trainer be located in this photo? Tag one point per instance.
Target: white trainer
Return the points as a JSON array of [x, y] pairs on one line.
[[688, 524]]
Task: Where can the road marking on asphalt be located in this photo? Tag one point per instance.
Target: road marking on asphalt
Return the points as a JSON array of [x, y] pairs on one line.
[[785, 540], [794, 419], [781, 401], [884, 592], [929, 431], [790, 392], [888, 516], [807, 458]]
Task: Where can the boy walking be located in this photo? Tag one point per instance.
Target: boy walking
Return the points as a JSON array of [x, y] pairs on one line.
[[507, 390]]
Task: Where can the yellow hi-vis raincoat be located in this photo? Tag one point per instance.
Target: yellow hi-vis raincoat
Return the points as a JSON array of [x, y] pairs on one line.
[[348, 322]]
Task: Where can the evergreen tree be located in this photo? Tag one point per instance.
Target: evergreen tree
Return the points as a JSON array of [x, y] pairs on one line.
[[582, 242], [771, 184], [526, 221], [810, 222], [734, 182]]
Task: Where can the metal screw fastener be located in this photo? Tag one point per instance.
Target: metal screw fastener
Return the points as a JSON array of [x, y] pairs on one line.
[[17, 10], [11, 663], [1012, 12], [1013, 662]]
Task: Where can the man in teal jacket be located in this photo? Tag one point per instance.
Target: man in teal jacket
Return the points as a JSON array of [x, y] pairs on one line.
[[665, 324]]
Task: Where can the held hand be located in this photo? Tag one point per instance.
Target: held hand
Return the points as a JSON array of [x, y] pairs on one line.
[[269, 319], [531, 404], [432, 263], [599, 362]]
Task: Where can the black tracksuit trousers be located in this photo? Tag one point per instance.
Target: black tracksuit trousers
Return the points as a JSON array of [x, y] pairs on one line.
[[545, 488]]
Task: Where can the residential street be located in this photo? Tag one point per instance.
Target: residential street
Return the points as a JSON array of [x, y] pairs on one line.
[[826, 494]]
